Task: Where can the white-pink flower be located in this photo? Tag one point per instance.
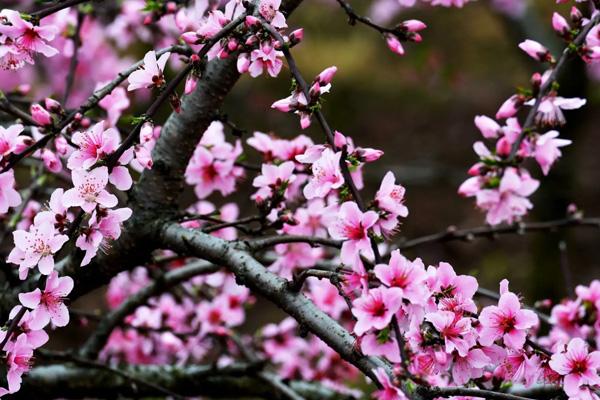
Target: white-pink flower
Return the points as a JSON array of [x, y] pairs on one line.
[[94, 144], [269, 10], [273, 178], [89, 190], [11, 140], [9, 197], [48, 306], [36, 247], [151, 74], [547, 149], [326, 175]]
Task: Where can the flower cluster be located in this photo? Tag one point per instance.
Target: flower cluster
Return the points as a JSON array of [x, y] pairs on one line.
[[499, 181]]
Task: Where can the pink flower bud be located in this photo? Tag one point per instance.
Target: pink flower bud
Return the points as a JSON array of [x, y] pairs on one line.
[[560, 24], [488, 127], [24, 88], [339, 140], [510, 107], [171, 7], [534, 49], [282, 105], [503, 147], [414, 25], [147, 20], [189, 37], [232, 45], [326, 76], [61, 145], [52, 105], [251, 21], [536, 80], [243, 63], [394, 44], [297, 35], [415, 37], [304, 120], [475, 170], [40, 115], [190, 83], [576, 15], [194, 58]]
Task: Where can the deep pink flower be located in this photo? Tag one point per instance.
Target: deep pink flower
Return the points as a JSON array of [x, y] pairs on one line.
[[578, 366], [352, 225], [455, 330], [406, 275], [89, 190], [375, 309], [507, 321], [48, 306]]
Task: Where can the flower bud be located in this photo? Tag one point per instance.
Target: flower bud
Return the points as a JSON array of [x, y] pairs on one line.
[[297, 36], [535, 50], [560, 24], [394, 44], [40, 115], [52, 105], [251, 21], [413, 25], [576, 15], [326, 76], [190, 83], [189, 37]]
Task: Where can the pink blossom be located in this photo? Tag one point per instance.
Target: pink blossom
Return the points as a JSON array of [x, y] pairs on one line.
[[550, 113], [535, 50], [40, 115], [11, 140], [326, 175], [390, 199], [488, 127], [388, 391], [406, 275], [18, 359], [578, 366], [151, 74], [448, 285], [455, 330], [114, 104], [9, 197], [560, 24], [48, 306], [89, 190], [269, 10], [394, 44], [265, 57], [273, 179], [36, 247], [375, 309], [547, 149], [352, 225], [94, 144], [510, 107], [381, 343], [507, 321], [469, 367]]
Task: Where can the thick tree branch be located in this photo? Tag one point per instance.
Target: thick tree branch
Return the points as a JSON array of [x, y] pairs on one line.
[[234, 381], [255, 276]]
